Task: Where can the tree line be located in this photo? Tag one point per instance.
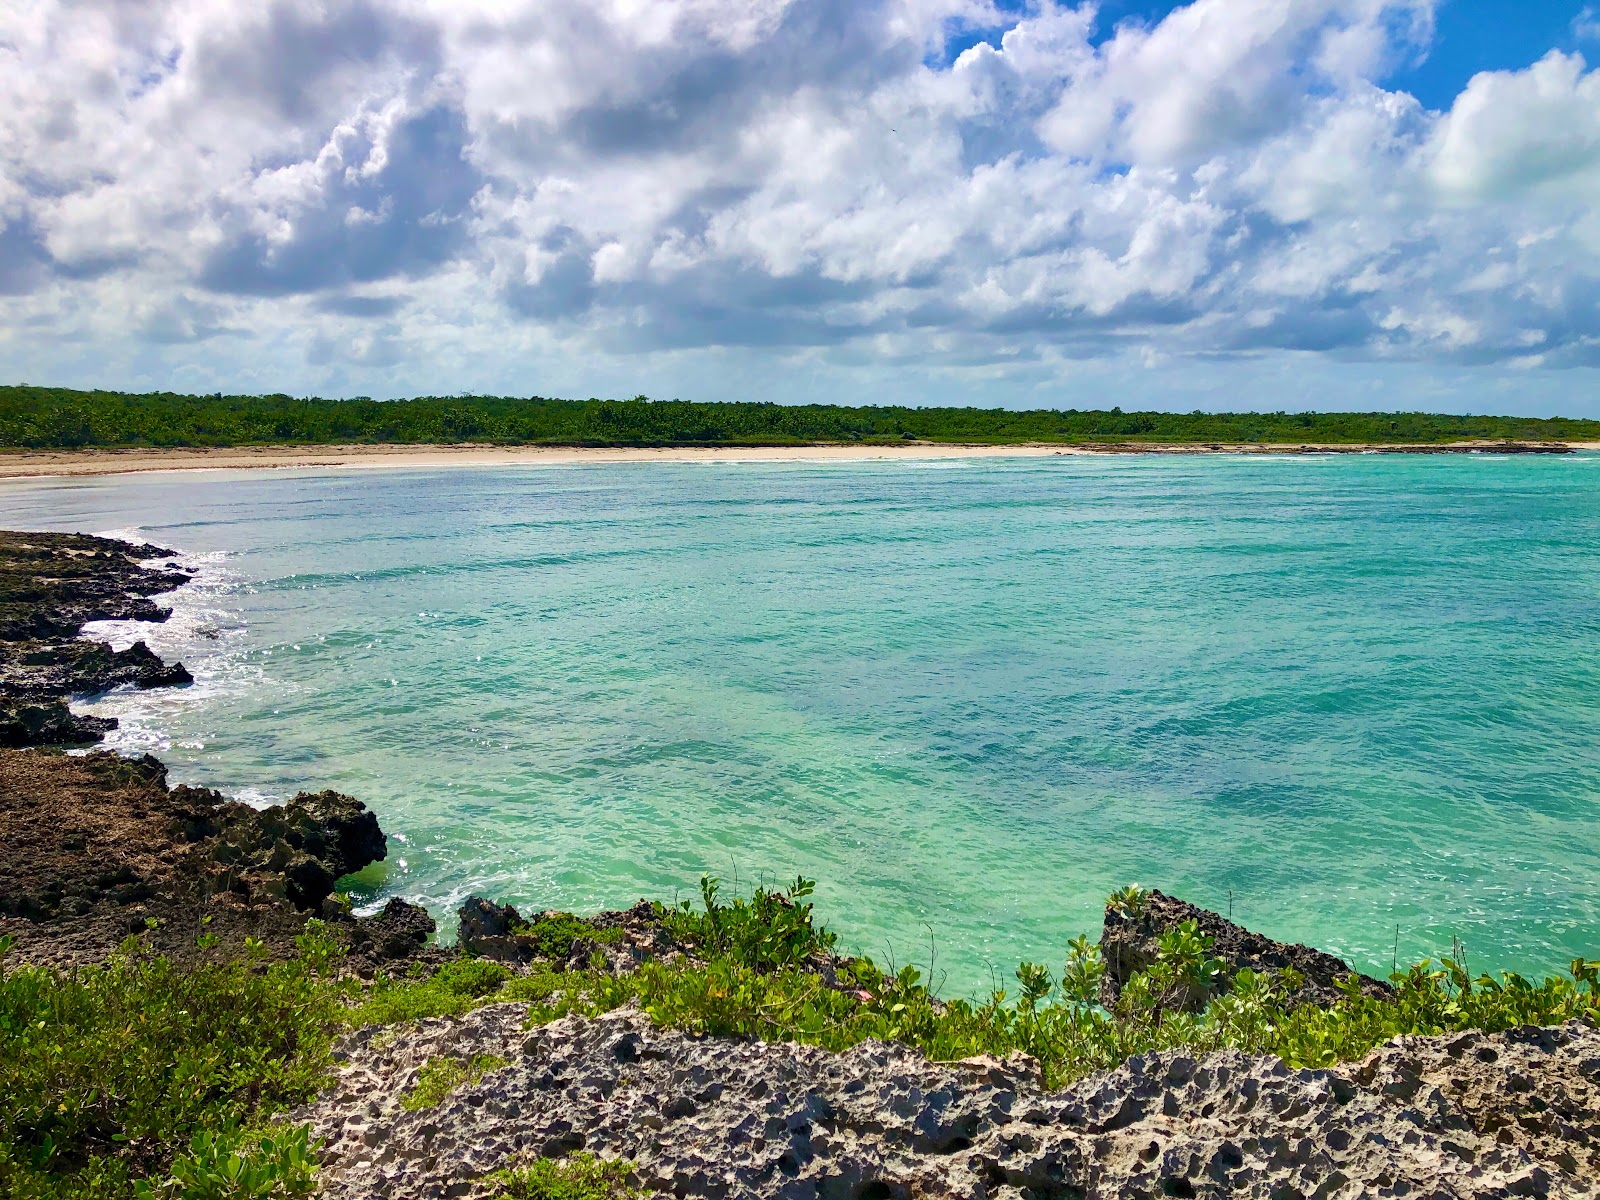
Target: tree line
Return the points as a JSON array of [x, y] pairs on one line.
[[62, 418]]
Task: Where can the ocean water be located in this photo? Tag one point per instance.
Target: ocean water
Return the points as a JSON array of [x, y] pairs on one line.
[[1355, 699]]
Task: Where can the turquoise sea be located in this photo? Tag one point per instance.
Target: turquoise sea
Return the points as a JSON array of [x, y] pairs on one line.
[[1355, 697]]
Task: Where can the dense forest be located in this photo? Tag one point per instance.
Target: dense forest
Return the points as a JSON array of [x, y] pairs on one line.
[[60, 418]]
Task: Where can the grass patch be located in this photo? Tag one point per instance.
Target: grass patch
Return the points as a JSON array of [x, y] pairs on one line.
[[442, 1075], [455, 988], [580, 1177], [554, 934]]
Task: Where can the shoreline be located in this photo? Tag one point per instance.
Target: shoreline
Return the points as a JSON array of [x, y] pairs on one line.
[[48, 464]]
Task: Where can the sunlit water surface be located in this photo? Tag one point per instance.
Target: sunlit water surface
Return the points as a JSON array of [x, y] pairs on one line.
[[1356, 698]]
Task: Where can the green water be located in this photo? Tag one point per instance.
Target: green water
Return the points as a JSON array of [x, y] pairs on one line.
[[970, 698]]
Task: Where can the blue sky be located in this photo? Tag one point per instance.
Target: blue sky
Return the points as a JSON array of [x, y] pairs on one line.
[[1224, 204], [1470, 36]]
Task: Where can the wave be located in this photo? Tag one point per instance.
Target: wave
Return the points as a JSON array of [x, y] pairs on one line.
[[206, 632]]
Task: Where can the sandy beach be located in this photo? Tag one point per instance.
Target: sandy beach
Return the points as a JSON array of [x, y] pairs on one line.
[[35, 464]]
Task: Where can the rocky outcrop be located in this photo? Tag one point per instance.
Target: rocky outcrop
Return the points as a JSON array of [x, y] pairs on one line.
[[487, 929], [300, 849], [98, 847], [51, 585], [1129, 937], [400, 930], [622, 938], [1437, 1117]]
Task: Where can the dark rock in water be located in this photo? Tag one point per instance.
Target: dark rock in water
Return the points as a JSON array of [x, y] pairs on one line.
[[1128, 945], [486, 930], [300, 851], [50, 724], [336, 829], [399, 931], [51, 585]]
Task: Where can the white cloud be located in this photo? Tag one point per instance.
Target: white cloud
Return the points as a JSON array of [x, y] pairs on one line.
[[1511, 132], [376, 193]]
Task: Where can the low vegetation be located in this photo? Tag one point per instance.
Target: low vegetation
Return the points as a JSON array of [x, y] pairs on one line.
[[578, 1177], [554, 934], [441, 1076], [61, 418], [142, 1069], [139, 1073]]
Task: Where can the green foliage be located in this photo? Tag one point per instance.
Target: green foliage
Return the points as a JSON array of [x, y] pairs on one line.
[[554, 933], [41, 417], [769, 931], [109, 1072], [1129, 901], [226, 1164], [457, 987], [442, 1075], [764, 984], [580, 1177]]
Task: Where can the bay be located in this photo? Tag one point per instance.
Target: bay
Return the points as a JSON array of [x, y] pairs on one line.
[[1353, 698]]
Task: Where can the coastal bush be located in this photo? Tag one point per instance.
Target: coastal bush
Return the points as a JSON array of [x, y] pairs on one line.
[[770, 930], [143, 1074], [554, 933], [757, 976], [108, 1073], [230, 1164], [442, 1075], [579, 1177], [455, 988]]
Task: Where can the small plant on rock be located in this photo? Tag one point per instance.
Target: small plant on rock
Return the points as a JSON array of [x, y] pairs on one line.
[[580, 1177], [1130, 901], [769, 931], [554, 934], [442, 1075]]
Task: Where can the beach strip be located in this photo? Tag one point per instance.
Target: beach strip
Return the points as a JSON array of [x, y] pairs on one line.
[[35, 464]]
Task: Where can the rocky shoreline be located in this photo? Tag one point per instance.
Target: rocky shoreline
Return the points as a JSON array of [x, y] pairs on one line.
[[97, 848], [51, 586]]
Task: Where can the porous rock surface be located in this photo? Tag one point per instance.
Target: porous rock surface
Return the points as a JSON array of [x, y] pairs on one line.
[[1512, 1114], [1128, 946]]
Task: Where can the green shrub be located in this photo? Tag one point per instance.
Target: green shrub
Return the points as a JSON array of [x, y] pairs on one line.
[[770, 930], [455, 988], [580, 1177], [108, 1072], [554, 933], [230, 1165]]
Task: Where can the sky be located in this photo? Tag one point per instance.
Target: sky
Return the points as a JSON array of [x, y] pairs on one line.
[[1222, 205]]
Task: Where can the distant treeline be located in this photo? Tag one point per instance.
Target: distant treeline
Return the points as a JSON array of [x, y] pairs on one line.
[[59, 418]]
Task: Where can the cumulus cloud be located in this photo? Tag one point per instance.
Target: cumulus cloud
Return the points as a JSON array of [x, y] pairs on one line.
[[375, 189]]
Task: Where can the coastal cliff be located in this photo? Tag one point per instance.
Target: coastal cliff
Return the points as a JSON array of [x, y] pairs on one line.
[[722, 1050]]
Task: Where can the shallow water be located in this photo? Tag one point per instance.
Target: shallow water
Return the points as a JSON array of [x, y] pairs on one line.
[[1343, 694]]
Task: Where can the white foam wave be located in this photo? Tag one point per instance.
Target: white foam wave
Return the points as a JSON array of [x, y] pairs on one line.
[[206, 632]]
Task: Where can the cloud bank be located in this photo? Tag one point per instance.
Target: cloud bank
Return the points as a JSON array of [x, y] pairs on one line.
[[796, 198]]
